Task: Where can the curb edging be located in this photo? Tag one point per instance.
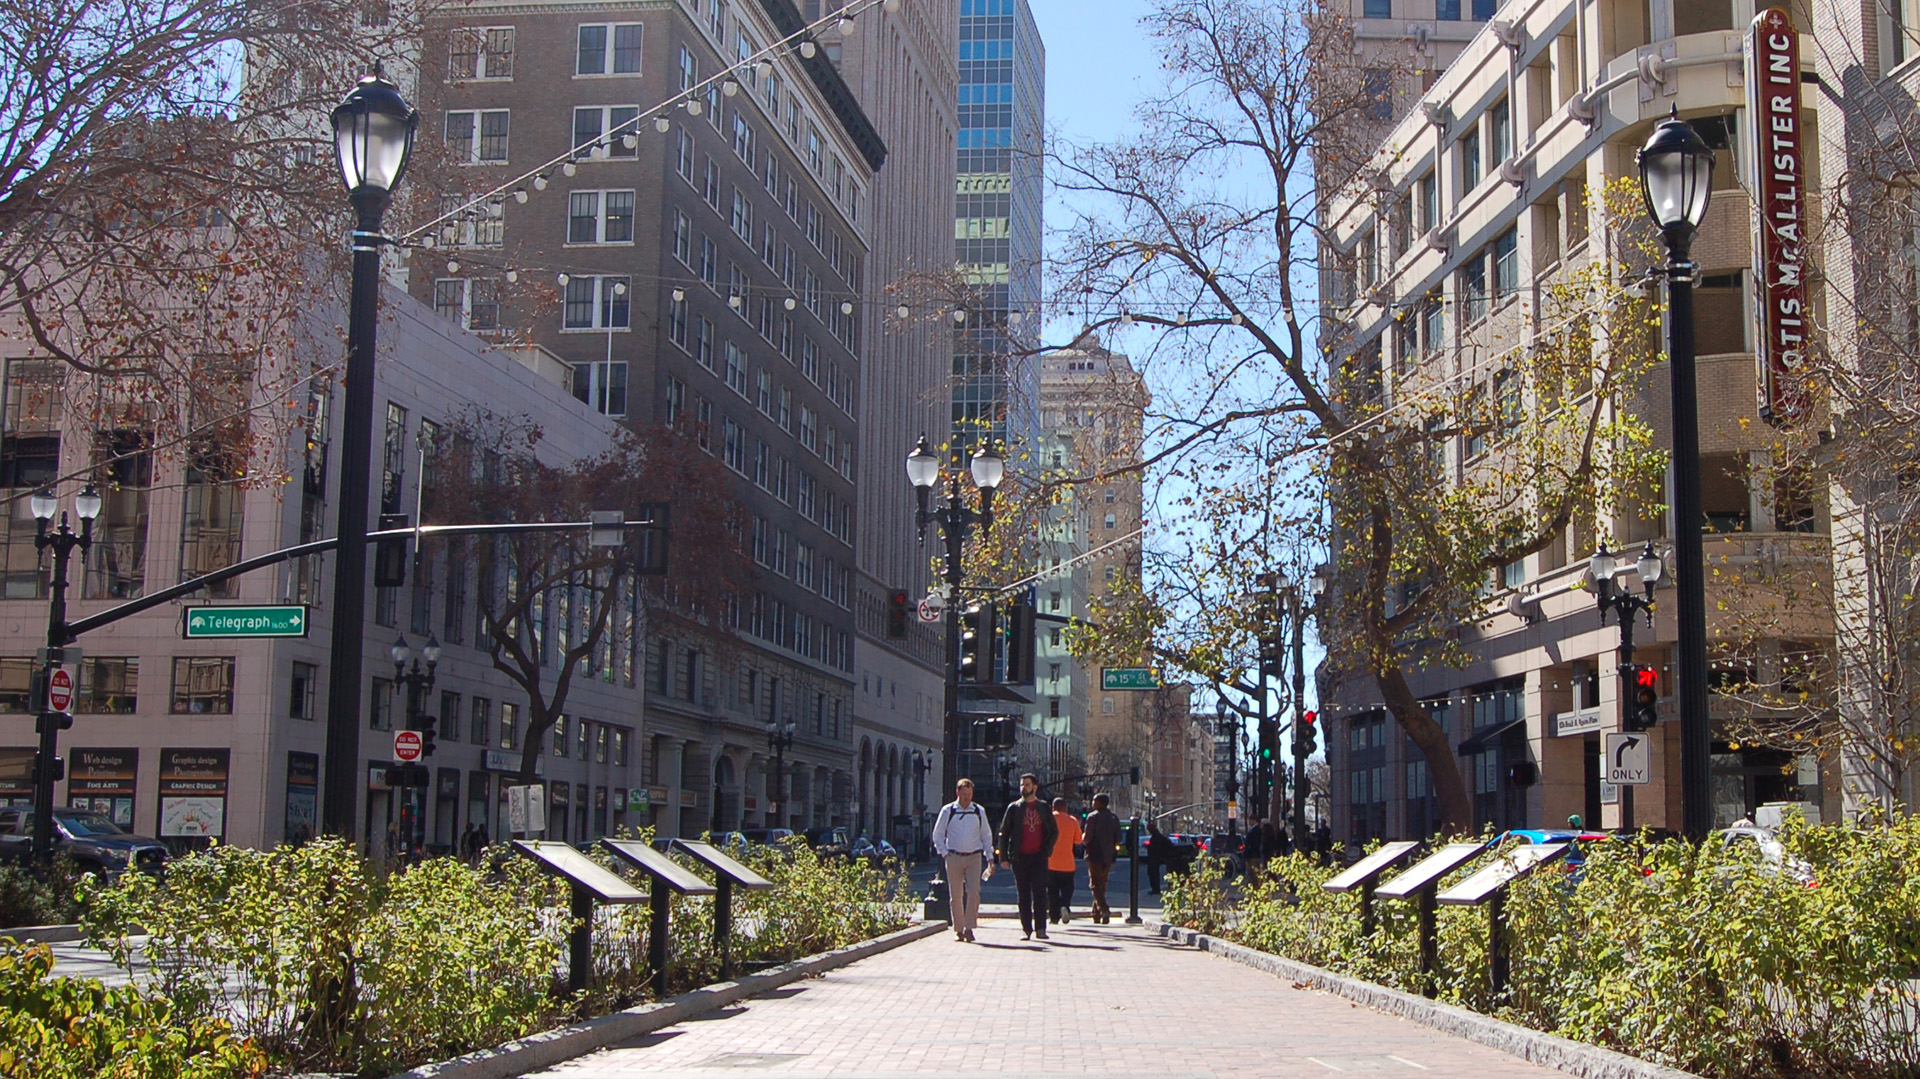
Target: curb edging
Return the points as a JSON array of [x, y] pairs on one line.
[[1538, 1047], [44, 934], [547, 1048]]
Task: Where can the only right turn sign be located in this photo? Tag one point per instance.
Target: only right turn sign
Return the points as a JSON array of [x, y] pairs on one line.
[[1629, 759]]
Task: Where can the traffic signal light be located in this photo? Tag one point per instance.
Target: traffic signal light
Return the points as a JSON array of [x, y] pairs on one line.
[[1643, 700], [1266, 753], [59, 770], [977, 630], [390, 555], [897, 607], [1020, 644], [427, 730], [1307, 738]]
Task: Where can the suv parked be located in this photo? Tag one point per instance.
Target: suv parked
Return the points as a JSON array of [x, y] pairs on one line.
[[95, 843]]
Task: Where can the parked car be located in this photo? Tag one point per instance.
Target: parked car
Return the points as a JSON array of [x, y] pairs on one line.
[[95, 843], [1745, 835], [830, 844], [1229, 848], [769, 837], [874, 852], [1182, 850]]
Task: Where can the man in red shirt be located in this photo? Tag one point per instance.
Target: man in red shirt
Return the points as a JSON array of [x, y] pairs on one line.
[[1027, 835]]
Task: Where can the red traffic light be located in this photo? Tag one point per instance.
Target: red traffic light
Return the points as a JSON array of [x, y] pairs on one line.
[[1309, 718], [1646, 678]]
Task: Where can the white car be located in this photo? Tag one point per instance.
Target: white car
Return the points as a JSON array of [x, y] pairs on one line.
[[1773, 854]]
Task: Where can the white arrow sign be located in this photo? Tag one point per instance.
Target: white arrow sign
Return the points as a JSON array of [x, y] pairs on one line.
[[1629, 759]]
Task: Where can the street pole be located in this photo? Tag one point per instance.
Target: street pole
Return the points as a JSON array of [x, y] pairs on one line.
[[373, 135], [49, 722], [1133, 869], [1299, 714], [1676, 178], [1696, 731]]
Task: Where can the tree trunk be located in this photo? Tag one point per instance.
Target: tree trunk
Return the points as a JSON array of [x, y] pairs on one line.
[[1443, 768]]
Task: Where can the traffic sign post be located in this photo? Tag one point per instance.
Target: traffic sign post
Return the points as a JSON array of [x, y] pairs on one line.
[[1629, 764], [200, 623]]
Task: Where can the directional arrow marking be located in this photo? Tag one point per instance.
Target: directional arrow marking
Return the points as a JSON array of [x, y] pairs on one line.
[[1627, 745]]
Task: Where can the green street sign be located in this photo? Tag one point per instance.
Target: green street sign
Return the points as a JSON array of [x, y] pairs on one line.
[[201, 622], [1129, 678]]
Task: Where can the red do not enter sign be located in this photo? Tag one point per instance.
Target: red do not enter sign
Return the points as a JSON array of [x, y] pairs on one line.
[[406, 746], [59, 689]]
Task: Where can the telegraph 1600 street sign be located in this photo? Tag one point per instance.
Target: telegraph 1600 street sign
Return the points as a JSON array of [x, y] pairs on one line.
[[201, 622]]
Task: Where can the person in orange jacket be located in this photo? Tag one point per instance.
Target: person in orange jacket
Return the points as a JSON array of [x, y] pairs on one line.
[[1060, 864]]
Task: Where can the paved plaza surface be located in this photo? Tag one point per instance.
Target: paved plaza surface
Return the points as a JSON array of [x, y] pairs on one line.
[[1094, 1001]]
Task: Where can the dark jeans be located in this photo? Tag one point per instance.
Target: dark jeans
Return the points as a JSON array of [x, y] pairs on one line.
[[1153, 876], [1060, 884], [1030, 877]]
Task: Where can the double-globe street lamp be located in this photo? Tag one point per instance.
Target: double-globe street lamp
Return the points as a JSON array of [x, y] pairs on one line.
[[1676, 178], [956, 520], [48, 722], [779, 740], [373, 131], [416, 677], [1626, 606]]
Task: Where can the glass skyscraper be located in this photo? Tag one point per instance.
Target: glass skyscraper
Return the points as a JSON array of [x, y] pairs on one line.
[[997, 209]]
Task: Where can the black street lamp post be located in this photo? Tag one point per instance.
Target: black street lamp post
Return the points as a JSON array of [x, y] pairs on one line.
[[1226, 731], [1626, 607], [779, 740], [373, 133], [1676, 177], [48, 720], [416, 677], [956, 520]]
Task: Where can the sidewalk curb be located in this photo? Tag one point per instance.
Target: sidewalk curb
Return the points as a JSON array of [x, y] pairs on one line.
[[550, 1047], [1538, 1047], [44, 934]]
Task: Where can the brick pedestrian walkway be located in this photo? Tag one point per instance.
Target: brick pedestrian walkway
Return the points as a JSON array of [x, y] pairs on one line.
[[1094, 1001]]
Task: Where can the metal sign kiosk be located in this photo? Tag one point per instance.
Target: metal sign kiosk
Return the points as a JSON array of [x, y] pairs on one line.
[[1489, 886], [1366, 873], [590, 881], [1419, 884], [726, 873], [666, 876]]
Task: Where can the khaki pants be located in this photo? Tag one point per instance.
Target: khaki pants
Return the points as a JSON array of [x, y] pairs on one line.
[[1097, 880], [963, 890]]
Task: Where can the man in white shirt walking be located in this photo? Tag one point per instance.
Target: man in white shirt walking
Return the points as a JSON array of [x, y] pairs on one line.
[[963, 839]]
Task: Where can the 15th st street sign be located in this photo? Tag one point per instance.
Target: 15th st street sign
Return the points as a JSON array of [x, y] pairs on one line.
[[228, 622], [1129, 678]]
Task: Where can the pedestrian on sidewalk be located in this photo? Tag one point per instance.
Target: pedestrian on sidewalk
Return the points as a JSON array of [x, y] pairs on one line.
[[1101, 838], [1157, 851], [1323, 841], [1060, 864], [962, 838], [1027, 832], [1253, 850]]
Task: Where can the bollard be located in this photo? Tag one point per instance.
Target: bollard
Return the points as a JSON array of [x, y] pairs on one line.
[[658, 937], [1133, 870], [580, 941], [1499, 960], [723, 923]]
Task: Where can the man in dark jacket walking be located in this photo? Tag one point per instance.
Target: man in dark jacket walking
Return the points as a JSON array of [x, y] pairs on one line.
[[1102, 838], [1253, 849], [1027, 833]]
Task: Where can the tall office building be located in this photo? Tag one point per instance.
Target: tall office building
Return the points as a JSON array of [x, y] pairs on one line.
[[997, 222], [709, 274], [902, 68]]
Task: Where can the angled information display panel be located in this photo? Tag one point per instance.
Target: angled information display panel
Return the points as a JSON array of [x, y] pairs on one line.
[[1501, 872], [658, 866], [723, 864], [1366, 869], [1430, 869], [563, 861]]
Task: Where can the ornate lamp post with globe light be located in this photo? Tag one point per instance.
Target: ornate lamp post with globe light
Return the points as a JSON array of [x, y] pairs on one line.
[[373, 132], [1676, 177], [51, 716]]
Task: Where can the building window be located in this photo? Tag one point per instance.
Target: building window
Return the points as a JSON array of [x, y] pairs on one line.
[[605, 131], [471, 303], [480, 52], [1106, 706], [742, 138], [478, 137], [1448, 9], [1473, 290], [482, 225], [203, 685], [1378, 9], [733, 440], [1428, 197], [606, 217], [1472, 168], [736, 373], [1499, 131], [1506, 265], [1433, 323], [559, 743], [110, 686], [609, 49], [602, 384], [479, 718], [581, 311], [301, 690]]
